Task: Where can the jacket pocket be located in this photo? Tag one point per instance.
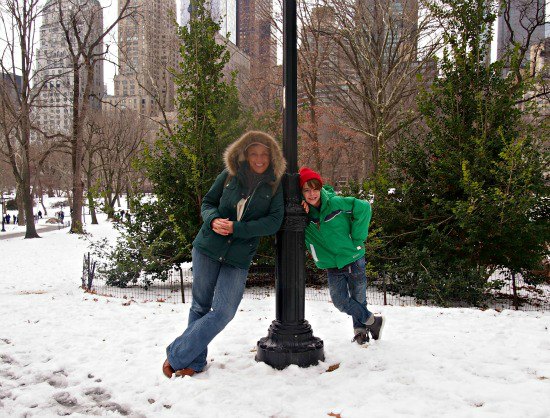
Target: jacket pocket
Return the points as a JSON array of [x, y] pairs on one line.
[[332, 215], [313, 253]]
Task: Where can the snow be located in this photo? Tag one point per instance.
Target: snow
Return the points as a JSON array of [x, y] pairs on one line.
[[63, 351]]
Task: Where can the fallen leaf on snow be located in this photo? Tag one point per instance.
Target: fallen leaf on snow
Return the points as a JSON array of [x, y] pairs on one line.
[[331, 368]]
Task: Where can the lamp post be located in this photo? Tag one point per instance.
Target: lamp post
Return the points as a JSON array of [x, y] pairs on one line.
[[3, 212], [290, 338]]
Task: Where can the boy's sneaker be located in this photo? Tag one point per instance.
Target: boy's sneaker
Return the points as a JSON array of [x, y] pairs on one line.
[[376, 328], [361, 336]]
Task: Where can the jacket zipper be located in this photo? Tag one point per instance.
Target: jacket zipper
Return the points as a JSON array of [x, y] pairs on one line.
[[249, 199]]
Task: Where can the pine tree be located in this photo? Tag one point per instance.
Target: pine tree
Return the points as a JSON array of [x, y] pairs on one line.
[[181, 167], [468, 195]]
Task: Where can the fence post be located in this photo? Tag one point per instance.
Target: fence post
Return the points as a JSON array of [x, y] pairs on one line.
[[181, 284], [84, 269], [91, 273], [384, 287], [514, 288]]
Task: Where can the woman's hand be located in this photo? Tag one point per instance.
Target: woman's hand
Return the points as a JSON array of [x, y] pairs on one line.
[[305, 206], [222, 226]]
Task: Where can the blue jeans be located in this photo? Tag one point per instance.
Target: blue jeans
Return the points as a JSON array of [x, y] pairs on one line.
[[348, 291], [217, 291]]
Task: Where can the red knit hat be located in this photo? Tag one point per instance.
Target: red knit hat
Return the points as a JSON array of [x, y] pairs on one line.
[[307, 174]]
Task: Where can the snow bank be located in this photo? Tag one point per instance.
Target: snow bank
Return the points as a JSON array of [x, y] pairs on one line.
[[63, 351]]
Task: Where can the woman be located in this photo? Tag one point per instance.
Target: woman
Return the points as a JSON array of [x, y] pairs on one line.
[[335, 237], [244, 203]]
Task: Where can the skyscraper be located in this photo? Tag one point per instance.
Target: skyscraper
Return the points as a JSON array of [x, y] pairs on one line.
[[54, 111], [148, 48], [221, 10], [255, 38], [518, 20], [390, 25]]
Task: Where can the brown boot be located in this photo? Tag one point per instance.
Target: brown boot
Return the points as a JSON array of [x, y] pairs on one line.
[[185, 372], [167, 369]]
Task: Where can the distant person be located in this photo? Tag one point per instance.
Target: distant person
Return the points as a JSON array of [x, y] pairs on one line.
[[8, 218], [39, 214], [244, 203], [14, 219], [335, 237], [62, 216]]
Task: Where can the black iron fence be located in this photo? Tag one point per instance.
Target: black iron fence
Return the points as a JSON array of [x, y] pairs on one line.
[[514, 294]]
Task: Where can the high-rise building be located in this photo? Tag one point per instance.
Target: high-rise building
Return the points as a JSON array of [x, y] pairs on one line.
[[223, 11], [11, 84], [320, 61], [54, 69], [391, 25], [255, 38], [147, 49], [540, 65], [516, 22], [540, 58]]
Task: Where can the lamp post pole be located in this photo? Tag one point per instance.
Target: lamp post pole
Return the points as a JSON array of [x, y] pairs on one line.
[[3, 212], [290, 338]]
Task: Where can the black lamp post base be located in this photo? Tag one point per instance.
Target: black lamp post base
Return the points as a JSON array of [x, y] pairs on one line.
[[288, 344]]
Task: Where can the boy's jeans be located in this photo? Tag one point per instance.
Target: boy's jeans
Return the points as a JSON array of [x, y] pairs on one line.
[[348, 291], [217, 291]]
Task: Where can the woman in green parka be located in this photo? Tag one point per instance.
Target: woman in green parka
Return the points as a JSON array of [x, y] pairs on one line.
[[244, 203], [335, 237]]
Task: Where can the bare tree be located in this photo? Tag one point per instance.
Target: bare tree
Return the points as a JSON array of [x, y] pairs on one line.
[[385, 46], [112, 141], [20, 87], [82, 29], [146, 62], [523, 38], [316, 48]]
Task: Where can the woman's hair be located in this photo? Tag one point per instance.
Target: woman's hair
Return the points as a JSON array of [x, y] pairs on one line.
[[313, 184]]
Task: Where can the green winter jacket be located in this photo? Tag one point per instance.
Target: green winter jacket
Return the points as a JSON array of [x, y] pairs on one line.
[[336, 232], [263, 215]]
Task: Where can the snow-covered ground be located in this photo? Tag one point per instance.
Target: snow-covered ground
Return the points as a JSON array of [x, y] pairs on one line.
[[63, 351]]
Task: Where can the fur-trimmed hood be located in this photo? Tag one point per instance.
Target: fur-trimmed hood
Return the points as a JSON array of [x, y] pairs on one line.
[[234, 154]]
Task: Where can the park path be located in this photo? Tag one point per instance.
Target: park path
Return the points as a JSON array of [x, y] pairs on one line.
[[10, 235]]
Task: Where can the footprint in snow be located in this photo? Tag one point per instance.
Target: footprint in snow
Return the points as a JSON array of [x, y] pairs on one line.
[[65, 399], [7, 359]]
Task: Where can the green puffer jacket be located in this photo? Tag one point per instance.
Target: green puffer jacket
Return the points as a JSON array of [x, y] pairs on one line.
[[263, 213], [336, 234]]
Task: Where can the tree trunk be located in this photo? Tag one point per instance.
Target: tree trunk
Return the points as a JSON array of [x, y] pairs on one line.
[[24, 182], [76, 154], [41, 197], [91, 205], [109, 210], [128, 196], [20, 206]]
